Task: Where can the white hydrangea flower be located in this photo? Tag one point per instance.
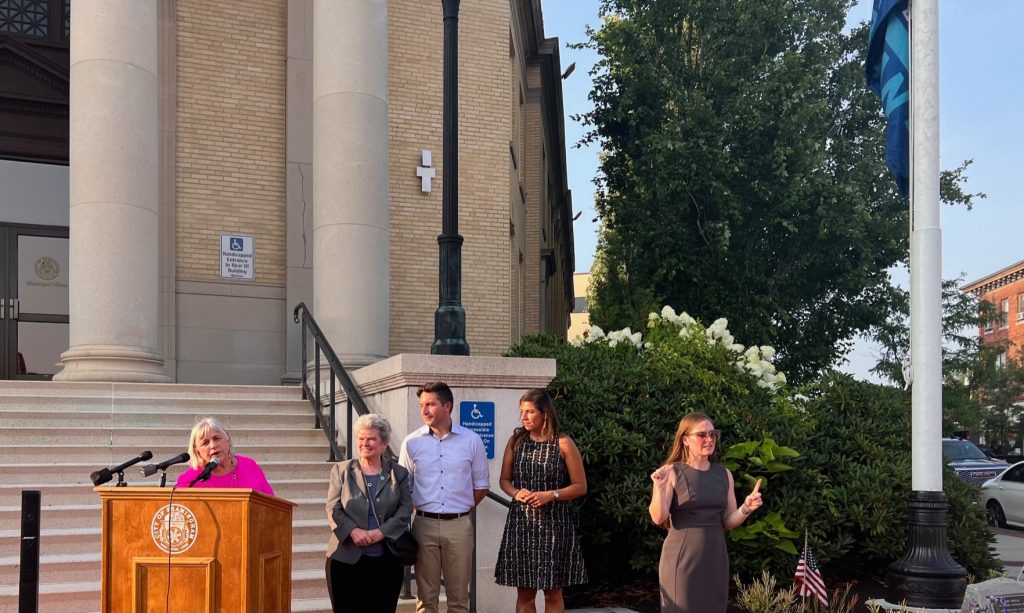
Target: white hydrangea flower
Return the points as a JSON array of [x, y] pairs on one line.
[[738, 348], [767, 352], [686, 319], [668, 313]]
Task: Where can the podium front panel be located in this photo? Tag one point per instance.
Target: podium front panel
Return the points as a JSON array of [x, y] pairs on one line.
[[223, 550]]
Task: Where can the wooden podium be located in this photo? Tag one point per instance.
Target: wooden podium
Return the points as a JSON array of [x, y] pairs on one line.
[[221, 549]]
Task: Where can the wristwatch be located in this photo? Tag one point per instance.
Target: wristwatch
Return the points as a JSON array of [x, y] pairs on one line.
[[555, 494]]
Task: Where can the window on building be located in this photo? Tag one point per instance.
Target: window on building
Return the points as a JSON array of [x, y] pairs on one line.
[[1001, 360], [1020, 307], [1004, 312], [36, 19]]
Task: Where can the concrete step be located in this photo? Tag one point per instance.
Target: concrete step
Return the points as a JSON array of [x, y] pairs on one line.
[[146, 437], [67, 540], [158, 404], [291, 415], [58, 515], [62, 389], [63, 515], [55, 568], [56, 597], [82, 493], [115, 454], [36, 474]]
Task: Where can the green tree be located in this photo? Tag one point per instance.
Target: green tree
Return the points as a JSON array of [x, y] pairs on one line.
[[978, 392], [742, 173], [999, 391]]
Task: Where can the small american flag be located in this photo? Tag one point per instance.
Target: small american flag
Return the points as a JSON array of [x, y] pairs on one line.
[[808, 577]]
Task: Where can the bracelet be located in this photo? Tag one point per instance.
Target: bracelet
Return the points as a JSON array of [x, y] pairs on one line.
[[745, 509], [516, 493]]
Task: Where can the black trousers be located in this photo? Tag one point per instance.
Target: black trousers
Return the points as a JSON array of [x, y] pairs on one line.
[[371, 585]]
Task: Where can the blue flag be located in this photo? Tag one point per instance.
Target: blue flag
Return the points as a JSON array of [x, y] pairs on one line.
[[888, 71]]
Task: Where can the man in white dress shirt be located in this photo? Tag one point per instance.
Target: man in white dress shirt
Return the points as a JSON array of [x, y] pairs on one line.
[[448, 464]]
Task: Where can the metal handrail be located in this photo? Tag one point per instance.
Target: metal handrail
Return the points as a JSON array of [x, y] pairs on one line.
[[505, 502], [321, 346]]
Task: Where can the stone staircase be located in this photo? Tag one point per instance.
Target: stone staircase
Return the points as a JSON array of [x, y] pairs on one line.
[[55, 434]]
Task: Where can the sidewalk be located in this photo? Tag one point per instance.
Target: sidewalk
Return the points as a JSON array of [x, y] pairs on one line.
[[1009, 548]]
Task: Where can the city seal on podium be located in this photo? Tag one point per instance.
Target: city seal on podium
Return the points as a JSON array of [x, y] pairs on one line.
[[174, 528]]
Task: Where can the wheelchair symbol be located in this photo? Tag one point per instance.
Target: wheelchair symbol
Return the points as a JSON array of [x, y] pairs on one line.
[[475, 413], [236, 243]]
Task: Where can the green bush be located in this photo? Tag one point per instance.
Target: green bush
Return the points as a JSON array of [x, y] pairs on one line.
[[835, 462], [859, 446]]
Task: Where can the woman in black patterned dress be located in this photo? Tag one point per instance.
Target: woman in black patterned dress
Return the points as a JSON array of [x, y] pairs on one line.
[[541, 470]]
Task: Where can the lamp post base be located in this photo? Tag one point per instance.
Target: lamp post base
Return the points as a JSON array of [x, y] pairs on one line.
[[927, 576], [450, 331]]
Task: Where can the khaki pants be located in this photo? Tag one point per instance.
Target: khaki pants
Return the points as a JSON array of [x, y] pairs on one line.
[[446, 549]]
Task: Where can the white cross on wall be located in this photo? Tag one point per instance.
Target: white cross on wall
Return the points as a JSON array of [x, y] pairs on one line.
[[425, 172]]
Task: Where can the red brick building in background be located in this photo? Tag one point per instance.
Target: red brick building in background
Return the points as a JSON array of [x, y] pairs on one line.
[[1003, 289]]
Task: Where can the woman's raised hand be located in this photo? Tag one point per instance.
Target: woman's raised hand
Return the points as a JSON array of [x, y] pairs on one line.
[[662, 473], [753, 500]]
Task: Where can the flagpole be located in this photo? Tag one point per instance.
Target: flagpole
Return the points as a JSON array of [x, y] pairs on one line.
[[803, 599], [926, 576]]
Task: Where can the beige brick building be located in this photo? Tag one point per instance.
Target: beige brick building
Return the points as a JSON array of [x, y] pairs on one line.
[[221, 124]]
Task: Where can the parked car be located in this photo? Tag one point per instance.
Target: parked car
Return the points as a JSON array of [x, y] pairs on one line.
[[969, 462], [1003, 497]]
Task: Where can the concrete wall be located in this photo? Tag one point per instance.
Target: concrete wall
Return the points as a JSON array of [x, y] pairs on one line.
[[230, 179]]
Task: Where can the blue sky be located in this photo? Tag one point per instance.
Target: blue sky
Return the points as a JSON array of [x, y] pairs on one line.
[[981, 68]]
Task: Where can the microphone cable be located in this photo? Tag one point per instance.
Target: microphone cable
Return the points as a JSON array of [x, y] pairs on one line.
[[170, 514]]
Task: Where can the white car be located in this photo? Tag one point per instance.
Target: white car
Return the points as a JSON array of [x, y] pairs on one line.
[[1003, 497]]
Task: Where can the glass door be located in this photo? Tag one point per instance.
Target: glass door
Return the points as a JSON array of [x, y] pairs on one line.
[[34, 295]]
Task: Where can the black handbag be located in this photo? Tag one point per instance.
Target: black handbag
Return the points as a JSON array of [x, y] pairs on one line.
[[404, 548]]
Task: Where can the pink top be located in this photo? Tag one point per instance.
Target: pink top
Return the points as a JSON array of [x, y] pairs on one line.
[[247, 474]]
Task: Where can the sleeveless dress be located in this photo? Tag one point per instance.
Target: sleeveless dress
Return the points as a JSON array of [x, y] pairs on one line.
[[539, 548], [694, 567]]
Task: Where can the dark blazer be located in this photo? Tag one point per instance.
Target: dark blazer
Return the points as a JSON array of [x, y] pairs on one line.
[[348, 508]]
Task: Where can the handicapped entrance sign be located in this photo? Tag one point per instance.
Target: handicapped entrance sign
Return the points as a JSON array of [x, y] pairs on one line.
[[478, 416]]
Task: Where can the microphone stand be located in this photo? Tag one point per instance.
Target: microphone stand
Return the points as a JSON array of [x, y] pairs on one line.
[[163, 477], [120, 479]]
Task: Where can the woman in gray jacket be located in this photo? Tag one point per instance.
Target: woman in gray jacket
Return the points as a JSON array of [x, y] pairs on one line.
[[362, 575]]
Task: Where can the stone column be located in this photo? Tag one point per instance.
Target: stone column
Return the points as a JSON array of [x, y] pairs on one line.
[[350, 177], [113, 185]]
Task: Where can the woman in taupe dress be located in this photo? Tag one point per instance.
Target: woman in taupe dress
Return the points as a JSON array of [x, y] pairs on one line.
[[693, 497]]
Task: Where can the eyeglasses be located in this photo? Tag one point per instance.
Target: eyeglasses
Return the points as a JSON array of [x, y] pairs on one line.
[[714, 434]]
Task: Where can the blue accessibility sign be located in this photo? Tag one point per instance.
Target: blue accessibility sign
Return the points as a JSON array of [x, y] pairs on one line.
[[478, 416]]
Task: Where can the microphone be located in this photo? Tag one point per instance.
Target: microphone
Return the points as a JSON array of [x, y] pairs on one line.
[[207, 471], [150, 469], [103, 475]]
